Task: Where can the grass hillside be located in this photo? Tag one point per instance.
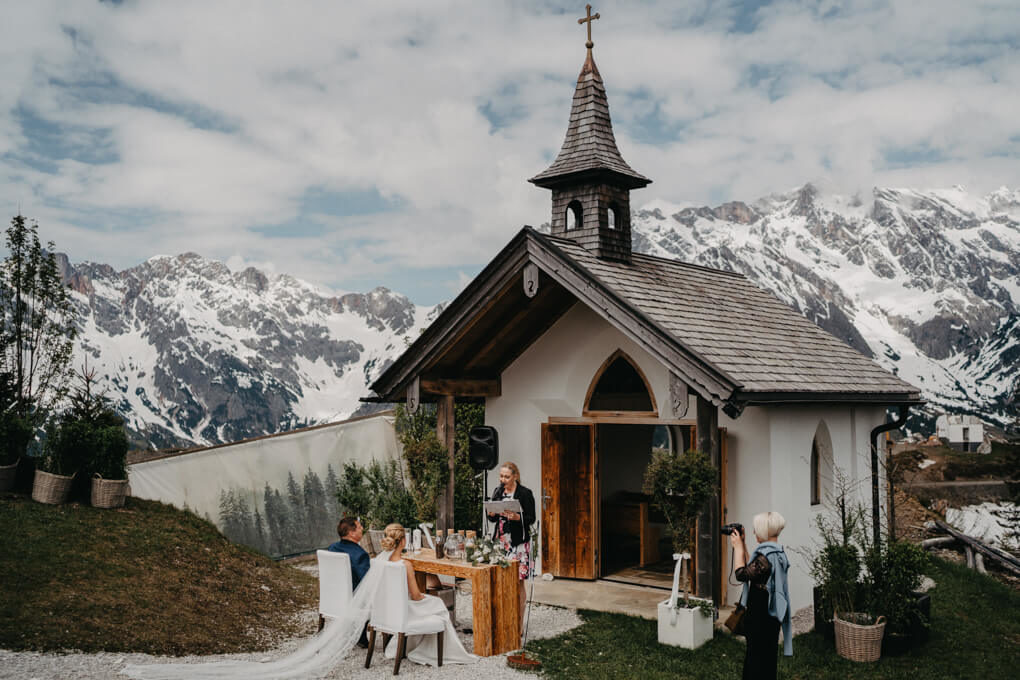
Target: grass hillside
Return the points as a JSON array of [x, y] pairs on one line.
[[144, 578], [975, 633]]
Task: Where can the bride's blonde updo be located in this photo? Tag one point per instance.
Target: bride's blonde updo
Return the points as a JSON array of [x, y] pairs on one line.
[[393, 534]]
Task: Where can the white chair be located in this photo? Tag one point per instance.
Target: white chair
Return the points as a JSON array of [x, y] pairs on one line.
[[389, 616], [335, 584]]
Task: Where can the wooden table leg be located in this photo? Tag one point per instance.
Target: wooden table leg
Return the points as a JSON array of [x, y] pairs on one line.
[[481, 608], [421, 578], [506, 612]]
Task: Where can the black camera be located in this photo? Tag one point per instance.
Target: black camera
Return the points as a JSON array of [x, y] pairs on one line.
[[728, 529]]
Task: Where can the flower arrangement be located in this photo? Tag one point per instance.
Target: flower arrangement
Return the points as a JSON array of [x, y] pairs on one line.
[[486, 551]]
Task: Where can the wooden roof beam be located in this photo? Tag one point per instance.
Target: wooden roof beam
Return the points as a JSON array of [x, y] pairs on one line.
[[462, 387]]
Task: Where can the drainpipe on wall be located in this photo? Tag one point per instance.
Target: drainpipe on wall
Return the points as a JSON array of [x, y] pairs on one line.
[[904, 410]]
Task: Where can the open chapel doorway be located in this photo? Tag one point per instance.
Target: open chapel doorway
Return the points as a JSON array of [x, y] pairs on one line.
[[596, 520]]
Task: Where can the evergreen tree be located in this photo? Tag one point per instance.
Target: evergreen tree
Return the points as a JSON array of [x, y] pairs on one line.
[[275, 520], [37, 322], [262, 543], [298, 538], [315, 509], [332, 507]]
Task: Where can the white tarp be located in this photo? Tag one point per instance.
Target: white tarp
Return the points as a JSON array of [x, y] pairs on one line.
[[996, 524], [277, 493]]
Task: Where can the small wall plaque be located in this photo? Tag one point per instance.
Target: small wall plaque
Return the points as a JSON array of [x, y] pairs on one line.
[[531, 279], [678, 396], [413, 396]]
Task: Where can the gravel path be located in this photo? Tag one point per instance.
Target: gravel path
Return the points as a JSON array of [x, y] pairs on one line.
[[545, 622]]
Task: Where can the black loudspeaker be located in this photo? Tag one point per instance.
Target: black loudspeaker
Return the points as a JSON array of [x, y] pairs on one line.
[[483, 452]]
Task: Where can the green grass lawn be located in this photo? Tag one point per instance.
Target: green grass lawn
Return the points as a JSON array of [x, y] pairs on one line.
[[143, 578], [975, 634]]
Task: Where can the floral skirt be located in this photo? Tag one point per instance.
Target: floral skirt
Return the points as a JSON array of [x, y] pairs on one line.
[[521, 553]]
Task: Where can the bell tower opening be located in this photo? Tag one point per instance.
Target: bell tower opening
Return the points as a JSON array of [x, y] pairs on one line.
[[574, 217]]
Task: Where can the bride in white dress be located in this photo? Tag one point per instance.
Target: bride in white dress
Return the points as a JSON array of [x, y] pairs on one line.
[[320, 655], [422, 648]]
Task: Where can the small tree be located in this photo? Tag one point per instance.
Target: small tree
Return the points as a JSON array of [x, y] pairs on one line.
[[88, 436], [427, 462], [426, 458], [680, 484], [835, 565], [15, 431], [38, 322]]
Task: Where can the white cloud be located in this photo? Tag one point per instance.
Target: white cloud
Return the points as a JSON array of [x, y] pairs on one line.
[[216, 118]]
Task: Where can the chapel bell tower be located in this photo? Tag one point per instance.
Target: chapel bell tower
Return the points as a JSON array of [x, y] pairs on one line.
[[589, 179]]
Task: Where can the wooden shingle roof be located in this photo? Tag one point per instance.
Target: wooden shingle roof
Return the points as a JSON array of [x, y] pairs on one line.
[[590, 146], [745, 332], [732, 342]]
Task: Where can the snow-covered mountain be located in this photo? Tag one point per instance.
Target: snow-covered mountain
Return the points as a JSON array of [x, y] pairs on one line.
[[192, 353], [927, 283]]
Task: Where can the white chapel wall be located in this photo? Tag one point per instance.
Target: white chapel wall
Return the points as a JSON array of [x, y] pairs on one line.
[[769, 450], [775, 473], [551, 379]]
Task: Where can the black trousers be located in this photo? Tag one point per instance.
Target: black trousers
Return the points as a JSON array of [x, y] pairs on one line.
[[762, 632]]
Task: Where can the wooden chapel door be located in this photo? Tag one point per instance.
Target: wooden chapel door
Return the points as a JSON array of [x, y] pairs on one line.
[[569, 495]]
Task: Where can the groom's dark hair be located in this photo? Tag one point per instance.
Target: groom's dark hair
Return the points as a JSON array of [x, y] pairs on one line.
[[346, 526]]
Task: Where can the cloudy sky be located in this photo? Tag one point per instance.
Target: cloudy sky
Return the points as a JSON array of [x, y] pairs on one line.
[[356, 144]]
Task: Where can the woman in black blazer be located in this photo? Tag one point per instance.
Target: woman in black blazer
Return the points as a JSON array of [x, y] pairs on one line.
[[513, 530]]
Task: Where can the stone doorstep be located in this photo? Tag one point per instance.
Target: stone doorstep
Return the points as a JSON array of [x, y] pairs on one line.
[[603, 596]]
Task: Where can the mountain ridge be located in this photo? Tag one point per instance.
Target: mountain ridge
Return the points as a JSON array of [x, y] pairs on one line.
[[927, 283]]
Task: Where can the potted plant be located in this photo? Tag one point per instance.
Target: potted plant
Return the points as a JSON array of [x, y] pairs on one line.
[[56, 466], [680, 484], [835, 565], [867, 592], [894, 572], [88, 437], [109, 461], [15, 432], [101, 440]]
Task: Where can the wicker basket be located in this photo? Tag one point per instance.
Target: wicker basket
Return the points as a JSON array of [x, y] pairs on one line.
[[859, 643], [50, 488], [108, 493], [8, 473]]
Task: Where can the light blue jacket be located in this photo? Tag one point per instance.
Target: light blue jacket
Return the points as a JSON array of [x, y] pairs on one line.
[[779, 592]]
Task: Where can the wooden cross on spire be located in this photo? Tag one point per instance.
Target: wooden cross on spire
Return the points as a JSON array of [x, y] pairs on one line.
[[587, 20]]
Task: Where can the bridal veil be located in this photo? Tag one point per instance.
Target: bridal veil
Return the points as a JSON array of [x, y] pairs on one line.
[[313, 659]]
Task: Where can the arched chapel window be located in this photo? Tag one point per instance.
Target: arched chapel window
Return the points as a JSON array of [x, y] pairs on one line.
[[816, 484], [821, 464], [614, 216], [573, 215], [620, 386]]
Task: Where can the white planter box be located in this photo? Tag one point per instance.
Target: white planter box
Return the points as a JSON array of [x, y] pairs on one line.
[[687, 628]]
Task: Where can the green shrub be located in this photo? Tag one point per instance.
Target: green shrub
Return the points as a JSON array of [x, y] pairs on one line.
[[391, 500], [88, 437], [15, 435], [353, 493], [110, 452], [680, 484], [468, 491], [835, 565], [893, 575], [377, 494]]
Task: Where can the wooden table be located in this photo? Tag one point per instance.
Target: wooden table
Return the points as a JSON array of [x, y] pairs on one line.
[[494, 599]]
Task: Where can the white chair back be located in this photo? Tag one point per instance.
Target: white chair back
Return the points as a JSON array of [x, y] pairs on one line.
[[335, 591], [389, 611]]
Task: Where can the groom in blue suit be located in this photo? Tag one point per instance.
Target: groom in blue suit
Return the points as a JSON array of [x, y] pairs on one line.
[[351, 531]]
